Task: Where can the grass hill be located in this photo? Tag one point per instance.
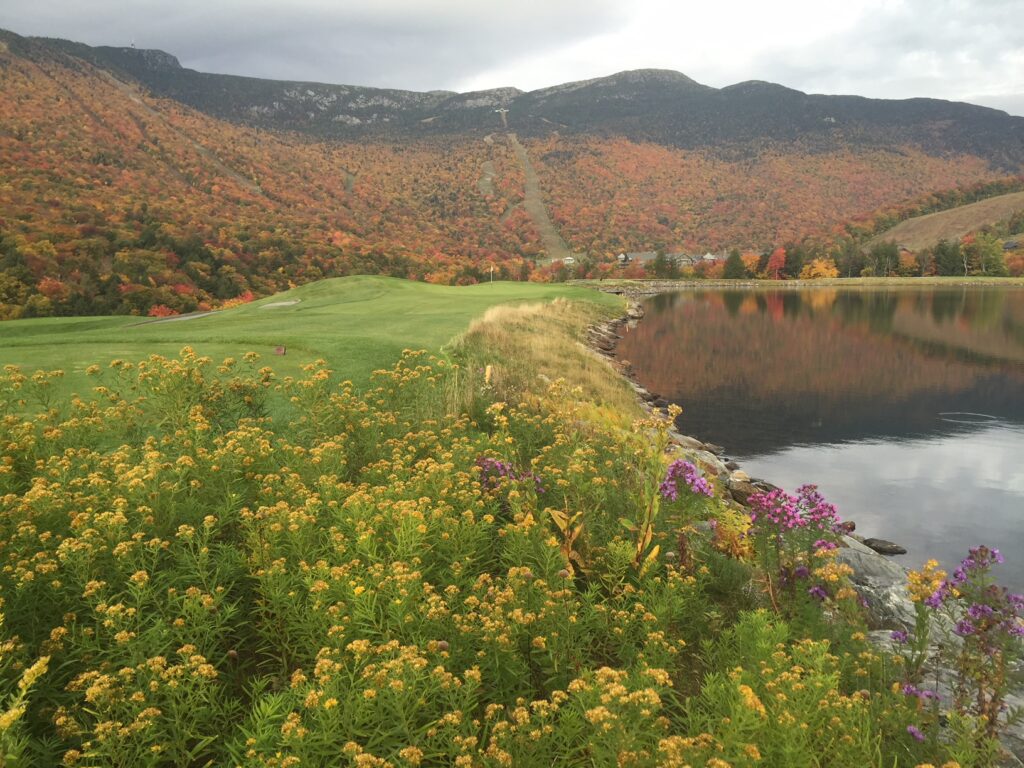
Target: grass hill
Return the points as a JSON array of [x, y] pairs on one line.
[[356, 324], [925, 231]]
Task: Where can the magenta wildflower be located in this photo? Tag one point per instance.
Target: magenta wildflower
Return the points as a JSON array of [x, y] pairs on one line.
[[909, 689], [900, 636], [679, 468], [808, 509], [914, 731]]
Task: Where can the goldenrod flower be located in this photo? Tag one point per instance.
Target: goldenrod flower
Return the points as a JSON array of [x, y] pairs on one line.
[[924, 583], [751, 700]]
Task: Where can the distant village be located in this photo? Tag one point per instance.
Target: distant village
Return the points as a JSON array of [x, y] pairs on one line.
[[679, 258]]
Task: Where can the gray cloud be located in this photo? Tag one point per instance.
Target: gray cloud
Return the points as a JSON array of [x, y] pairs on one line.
[[1008, 102], [968, 50], [947, 49], [414, 44]]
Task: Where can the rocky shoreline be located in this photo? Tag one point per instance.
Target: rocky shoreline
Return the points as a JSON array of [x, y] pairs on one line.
[[880, 582]]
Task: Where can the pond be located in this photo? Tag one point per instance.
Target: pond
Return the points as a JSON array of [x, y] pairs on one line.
[[904, 405]]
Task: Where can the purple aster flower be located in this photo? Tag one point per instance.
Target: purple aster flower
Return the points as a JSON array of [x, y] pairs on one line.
[[909, 689], [696, 482], [817, 592], [980, 611], [964, 627], [493, 470], [914, 731], [938, 597], [978, 559], [801, 572], [900, 636]]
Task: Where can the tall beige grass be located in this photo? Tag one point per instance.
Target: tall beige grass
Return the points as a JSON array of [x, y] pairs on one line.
[[529, 346]]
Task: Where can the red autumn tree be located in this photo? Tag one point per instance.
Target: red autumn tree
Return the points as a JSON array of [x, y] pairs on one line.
[[776, 263]]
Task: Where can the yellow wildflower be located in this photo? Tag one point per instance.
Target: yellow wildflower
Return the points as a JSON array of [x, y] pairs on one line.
[[751, 701], [924, 583], [412, 755]]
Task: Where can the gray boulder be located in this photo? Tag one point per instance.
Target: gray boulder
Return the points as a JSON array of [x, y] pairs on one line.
[[882, 583], [884, 547]]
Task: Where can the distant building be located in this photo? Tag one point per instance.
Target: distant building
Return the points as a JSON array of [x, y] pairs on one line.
[[569, 260], [641, 256], [681, 259]]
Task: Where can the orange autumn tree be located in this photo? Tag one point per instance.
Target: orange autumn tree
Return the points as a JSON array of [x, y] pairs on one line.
[[750, 261], [819, 269]]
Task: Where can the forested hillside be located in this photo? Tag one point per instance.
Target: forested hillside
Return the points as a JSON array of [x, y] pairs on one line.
[[115, 198], [111, 201]]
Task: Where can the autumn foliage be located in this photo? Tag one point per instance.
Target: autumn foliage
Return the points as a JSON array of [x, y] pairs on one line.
[[610, 194], [112, 201]]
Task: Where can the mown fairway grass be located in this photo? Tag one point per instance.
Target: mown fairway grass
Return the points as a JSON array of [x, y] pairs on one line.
[[358, 324]]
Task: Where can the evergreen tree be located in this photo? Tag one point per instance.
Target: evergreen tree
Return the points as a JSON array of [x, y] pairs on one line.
[[663, 267], [734, 269], [947, 258]]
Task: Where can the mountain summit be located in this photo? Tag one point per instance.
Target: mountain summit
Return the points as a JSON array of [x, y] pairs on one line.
[[657, 105], [131, 184]]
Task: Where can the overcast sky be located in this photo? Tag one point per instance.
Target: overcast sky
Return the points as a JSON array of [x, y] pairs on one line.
[[967, 50]]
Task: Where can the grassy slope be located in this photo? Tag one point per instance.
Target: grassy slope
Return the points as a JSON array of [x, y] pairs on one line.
[[358, 324], [925, 231]]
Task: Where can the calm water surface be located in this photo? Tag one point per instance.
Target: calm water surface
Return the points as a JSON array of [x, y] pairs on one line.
[[906, 406]]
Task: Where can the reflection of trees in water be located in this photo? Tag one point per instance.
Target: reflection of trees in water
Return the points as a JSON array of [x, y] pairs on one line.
[[811, 364], [946, 305], [962, 317], [733, 300]]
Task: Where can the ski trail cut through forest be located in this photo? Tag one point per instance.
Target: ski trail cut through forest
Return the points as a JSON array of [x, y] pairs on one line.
[[554, 245], [486, 183], [205, 153]]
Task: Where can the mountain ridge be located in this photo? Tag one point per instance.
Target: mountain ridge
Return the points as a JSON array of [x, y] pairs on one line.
[[658, 105], [156, 58], [117, 197]]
